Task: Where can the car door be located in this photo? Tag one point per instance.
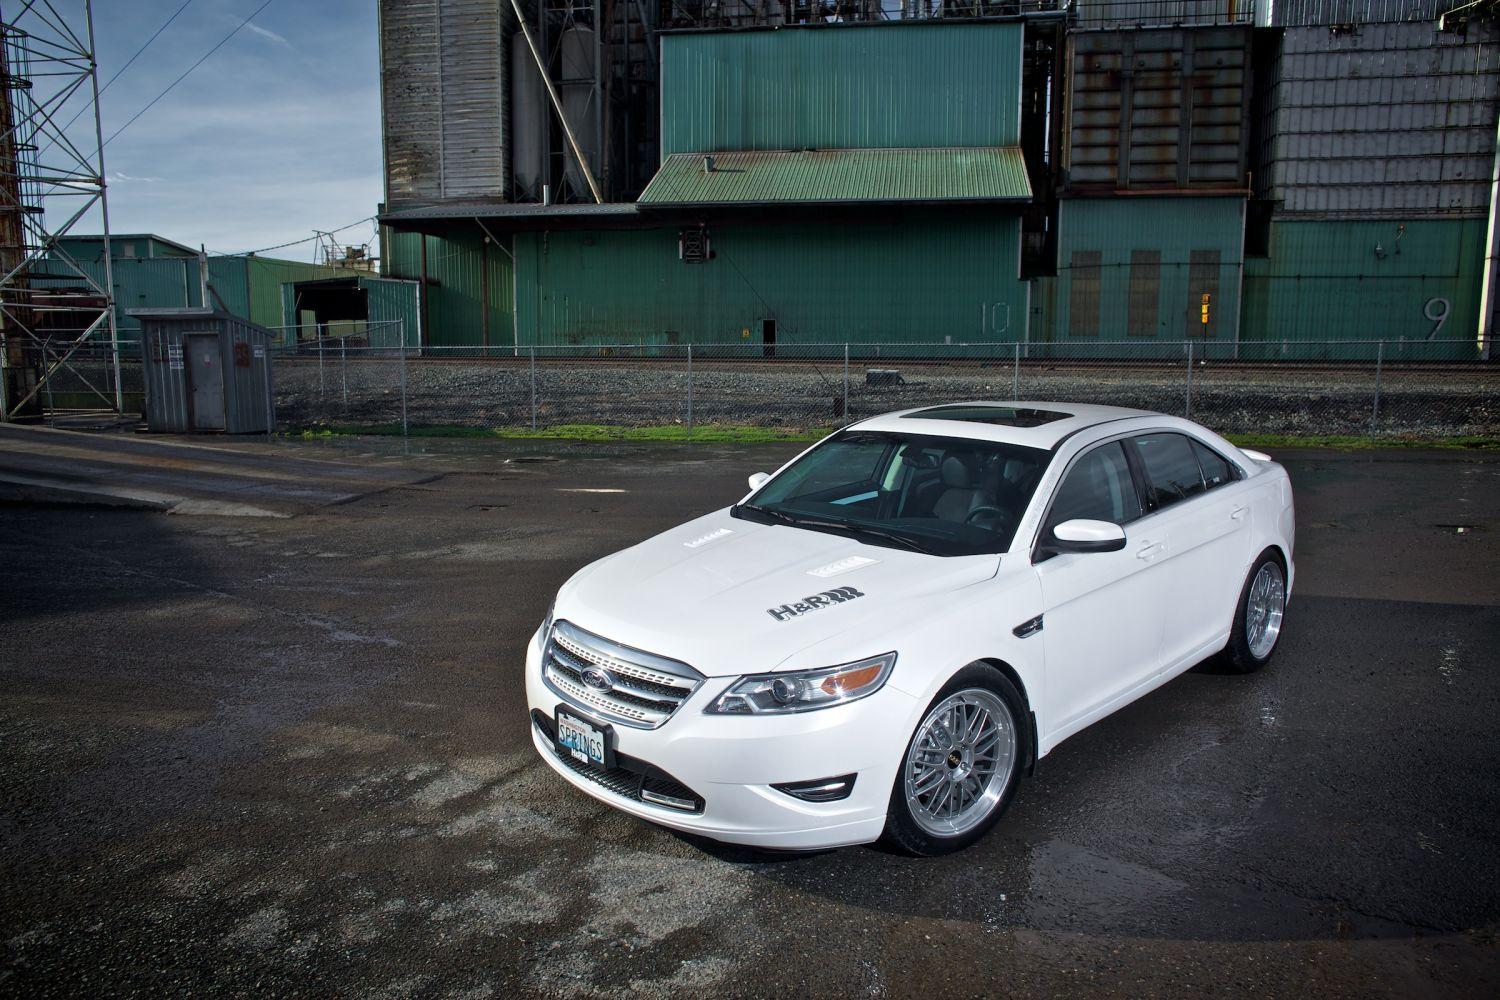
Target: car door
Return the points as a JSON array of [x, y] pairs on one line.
[[1102, 610], [1198, 504]]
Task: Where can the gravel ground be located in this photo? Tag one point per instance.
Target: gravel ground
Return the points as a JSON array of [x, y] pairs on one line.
[[271, 757], [1421, 402], [1440, 401]]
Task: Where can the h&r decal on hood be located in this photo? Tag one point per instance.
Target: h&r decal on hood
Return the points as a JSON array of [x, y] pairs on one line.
[[827, 598]]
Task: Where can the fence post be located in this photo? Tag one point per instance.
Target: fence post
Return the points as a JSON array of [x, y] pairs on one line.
[[533, 387], [1015, 378], [344, 367], [405, 427], [690, 391], [846, 383], [1379, 364], [270, 398], [1188, 407], [318, 329]]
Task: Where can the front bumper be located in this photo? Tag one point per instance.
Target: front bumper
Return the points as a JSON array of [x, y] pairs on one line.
[[731, 762]]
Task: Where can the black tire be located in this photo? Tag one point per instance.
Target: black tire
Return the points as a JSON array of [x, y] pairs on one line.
[[1237, 656], [902, 831]]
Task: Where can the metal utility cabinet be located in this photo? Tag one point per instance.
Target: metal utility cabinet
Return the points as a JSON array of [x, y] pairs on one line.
[[206, 372]]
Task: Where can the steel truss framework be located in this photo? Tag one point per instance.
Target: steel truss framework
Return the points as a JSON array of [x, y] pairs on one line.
[[51, 307]]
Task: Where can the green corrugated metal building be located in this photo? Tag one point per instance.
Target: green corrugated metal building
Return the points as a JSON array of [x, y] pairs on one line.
[[152, 272], [1146, 268], [817, 186], [864, 182], [1409, 282]]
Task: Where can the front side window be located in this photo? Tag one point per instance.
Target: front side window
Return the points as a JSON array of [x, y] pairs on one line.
[[1098, 487], [1172, 473], [938, 495]]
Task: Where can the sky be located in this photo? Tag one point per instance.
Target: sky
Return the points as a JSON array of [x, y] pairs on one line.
[[276, 134]]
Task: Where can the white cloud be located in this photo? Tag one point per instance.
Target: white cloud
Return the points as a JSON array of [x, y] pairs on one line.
[[267, 33]]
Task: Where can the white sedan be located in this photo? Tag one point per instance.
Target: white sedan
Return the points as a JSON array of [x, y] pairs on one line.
[[886, 634]]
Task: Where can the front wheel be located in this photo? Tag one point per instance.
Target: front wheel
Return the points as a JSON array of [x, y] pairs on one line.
[[961, 766], [1258, 617]]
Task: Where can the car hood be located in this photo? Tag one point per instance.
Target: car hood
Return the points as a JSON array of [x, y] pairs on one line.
[[730, 596]]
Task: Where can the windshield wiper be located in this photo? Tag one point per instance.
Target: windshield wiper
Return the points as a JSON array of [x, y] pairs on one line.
[[798, 521]]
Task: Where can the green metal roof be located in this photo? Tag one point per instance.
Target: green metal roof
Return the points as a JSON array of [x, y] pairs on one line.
[[956, 174]]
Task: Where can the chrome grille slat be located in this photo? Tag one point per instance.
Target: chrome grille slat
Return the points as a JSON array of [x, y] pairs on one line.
[[646, 689], [604, 659], [643, 688]]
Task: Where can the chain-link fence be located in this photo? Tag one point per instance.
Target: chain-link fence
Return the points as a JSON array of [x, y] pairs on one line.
[[1428, 389], [371, 380]]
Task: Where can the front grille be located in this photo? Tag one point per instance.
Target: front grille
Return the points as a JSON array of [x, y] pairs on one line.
[[630, 778], [640, 689]]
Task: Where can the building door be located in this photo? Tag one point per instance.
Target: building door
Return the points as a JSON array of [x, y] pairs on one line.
[[205, 373], [768, 336]]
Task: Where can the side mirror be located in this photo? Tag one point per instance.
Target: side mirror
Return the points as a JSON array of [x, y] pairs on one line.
[[1084, 535], [760, 479]]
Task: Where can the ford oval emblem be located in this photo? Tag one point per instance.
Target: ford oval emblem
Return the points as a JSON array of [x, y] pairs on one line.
[[597, 678]]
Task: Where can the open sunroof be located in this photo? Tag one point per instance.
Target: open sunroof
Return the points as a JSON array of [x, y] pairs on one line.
[[1005, 416]]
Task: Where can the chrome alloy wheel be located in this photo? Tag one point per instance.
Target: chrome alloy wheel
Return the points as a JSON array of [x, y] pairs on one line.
[[1264, 610], [960, 762]]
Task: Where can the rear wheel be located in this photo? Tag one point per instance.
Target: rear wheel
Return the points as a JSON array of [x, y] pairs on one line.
[[960, 768], [1258, 617]]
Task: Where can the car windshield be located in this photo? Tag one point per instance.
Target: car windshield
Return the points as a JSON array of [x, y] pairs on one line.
[[939, 495]]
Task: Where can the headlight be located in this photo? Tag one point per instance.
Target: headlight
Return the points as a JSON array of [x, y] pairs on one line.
[[804, 690], [547, 622]]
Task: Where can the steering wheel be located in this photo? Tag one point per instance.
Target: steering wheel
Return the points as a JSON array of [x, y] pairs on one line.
[[986, 509]]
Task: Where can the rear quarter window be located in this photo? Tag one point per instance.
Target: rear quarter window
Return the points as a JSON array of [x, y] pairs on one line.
[[1216, 468], [1172, 472]]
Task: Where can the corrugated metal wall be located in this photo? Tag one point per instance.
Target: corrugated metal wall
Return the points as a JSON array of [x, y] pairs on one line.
[[943, 279], [249, 287], [444, 98], [1359, 280], [1137, 268], [1161, 108], [1385, 121], [851, 87], [244, 367], [468, 287]]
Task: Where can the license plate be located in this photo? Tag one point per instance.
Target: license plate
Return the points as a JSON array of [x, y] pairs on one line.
[[584, 742]]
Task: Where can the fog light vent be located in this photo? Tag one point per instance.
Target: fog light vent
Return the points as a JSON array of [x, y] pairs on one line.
[[820, 789]]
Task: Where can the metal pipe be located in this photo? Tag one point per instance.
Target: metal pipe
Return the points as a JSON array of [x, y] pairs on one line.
[[1486, 332], [690, 391], [583, 165]]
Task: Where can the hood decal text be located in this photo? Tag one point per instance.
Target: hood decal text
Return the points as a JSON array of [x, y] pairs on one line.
[[826, 599]]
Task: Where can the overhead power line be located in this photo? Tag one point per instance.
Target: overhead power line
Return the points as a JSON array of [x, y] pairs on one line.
[[164, 25], [189, 70], [305, 239]]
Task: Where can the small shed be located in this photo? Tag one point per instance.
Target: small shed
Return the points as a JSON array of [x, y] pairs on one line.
[[207, 371]]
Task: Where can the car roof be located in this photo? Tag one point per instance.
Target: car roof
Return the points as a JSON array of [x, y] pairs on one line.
[[1031, 423]]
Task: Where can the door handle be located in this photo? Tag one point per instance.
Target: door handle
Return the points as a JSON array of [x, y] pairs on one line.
[[1238, 513], [1149, 551]]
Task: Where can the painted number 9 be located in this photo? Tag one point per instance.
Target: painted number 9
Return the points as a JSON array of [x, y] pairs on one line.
[[1436, 310]]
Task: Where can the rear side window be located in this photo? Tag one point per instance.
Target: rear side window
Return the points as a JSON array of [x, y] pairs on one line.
[[1172, 473], [1097, 487], [1216, 468]]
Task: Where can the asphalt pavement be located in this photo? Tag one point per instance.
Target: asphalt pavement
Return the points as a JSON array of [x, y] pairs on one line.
[[289, 755]]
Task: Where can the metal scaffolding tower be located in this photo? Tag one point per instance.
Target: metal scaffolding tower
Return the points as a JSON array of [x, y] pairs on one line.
[[52, 307]]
